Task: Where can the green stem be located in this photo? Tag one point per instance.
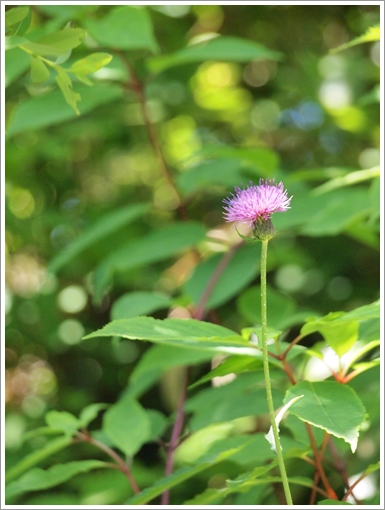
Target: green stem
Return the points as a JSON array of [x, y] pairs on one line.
[[269, 395]]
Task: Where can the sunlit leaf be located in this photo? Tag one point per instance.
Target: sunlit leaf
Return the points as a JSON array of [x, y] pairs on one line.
[[61, 420], [331, 406], [39, 71], [229, 49], [57, 43], [372, 34], [90, 63], [124, 27], [184, 333], [65, 84]]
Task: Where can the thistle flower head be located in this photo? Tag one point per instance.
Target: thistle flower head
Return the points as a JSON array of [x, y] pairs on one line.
[[255, 205]]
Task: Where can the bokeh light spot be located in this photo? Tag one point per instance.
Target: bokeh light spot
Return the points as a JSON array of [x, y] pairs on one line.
[[71, 331], [72, 299]]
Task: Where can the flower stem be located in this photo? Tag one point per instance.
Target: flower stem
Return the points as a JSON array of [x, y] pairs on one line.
[[269, 395]]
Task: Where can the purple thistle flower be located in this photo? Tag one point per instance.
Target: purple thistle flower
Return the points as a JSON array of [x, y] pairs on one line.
[[255, 205]]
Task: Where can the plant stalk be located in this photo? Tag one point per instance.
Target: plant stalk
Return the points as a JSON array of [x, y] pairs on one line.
[[269, 395]]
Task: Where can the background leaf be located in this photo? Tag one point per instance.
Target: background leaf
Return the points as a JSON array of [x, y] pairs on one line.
[[127, 425], [230, 49], [125, 27]]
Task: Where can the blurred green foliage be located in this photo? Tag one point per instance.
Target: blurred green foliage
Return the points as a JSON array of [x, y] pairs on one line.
[[96, 229]]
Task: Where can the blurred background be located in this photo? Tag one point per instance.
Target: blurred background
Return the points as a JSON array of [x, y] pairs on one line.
[[314, 115]]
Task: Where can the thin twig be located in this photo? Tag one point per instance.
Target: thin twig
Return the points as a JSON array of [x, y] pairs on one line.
[[137, 87], [121, 465], [175, 434]]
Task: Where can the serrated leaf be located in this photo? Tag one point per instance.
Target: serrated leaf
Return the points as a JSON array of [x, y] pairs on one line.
[[57, 43], [184, 333], [372, 34], [91, 63], [104, 227], [330, 406], [61, 420], [65, 84], [126, 28], [42, 479], [127, 425], [179, 476], [158, 245], [138, 303], [39, 71], [229, 49], [89, 413]]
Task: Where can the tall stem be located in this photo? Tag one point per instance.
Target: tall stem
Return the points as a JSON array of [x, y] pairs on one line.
[[269, 395]]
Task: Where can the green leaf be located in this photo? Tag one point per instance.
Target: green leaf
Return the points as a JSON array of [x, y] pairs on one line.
[[185, 333], [332, 502], [207, 497], [340, 334], [127, 425], [159, 358], [65, 84], [158, 424], [15, 15], [362, 313], [281, 310], [61, 420], [41, 479], [198, 443], [39, 71], [57, 43], [158, 245], [179, 476], [37, 456], [241, 270], [16, 63], [91, 63], [330, 406], [13, 41], [125, 28], [106, 226], [372, 34], [228, 49], [231, 365], [139, 303], [89, 413], [348, 180], [39, 112]]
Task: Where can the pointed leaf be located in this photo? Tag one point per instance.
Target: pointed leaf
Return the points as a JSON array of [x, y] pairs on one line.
[[41, 479], [228, 49], [91, 63], [57, 43], [107, 225], [158, 245], [179, 476], [372, 34], [185, 333], [126, 28], [61, 420], [89, 413], [39, 71], [330, 406], [139, 303], [127, 425], [15, 15], [51, 109], [65, 84]]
